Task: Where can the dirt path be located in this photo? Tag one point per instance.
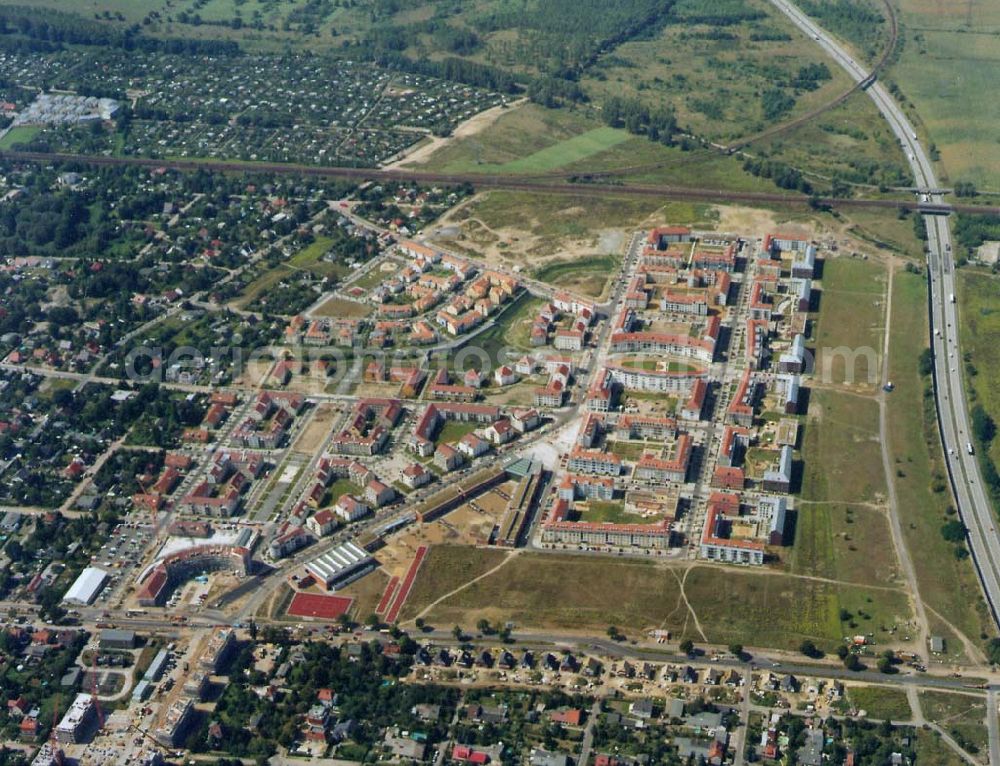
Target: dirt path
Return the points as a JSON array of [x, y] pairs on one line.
[[694, 615], [426, 610], [972, 651], [475, 124], [895, 525]]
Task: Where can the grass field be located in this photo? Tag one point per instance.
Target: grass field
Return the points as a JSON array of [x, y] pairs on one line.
[[683, 63], [514, 327], [961, 715], [628, 450], [308, 258], [851, 142], [886, 231], [843, 542], [510, 331], [520, 132], [612, 512], [980, 324], [588, 275], [566, 152], [18, 135], [530, 138], [849, 327], [527, 229], [366, 592], [453, 430], [263, 283], [754, 608], [841, 440], [780, 611], [947, 585], [444, 569], [951, 57], [932, 749], [881, 702], [341, 307]]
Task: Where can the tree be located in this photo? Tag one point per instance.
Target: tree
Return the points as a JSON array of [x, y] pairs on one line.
[[965, 189], [809, 649], [983, 427], [887, 662], [953, 531], [993, 651], [925, 364], [419, 622], [687, 646], [483, 626], [613, 633], [736, 650], [852, 663], [457, 632]]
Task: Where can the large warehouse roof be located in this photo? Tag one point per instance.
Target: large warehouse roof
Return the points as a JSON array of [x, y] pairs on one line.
[[87, 586], [339, 562]]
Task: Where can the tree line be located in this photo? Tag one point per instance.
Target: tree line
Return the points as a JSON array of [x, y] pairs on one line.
[[55, 29]]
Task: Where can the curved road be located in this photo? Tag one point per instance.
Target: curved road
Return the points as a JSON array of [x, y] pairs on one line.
[[953, 414]]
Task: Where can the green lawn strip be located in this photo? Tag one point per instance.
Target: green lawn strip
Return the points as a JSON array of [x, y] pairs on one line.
[[841, 439], [881, 702], [947, 584], [849, 326]]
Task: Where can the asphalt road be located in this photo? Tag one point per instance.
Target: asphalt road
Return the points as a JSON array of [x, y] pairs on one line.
[[953, 414]]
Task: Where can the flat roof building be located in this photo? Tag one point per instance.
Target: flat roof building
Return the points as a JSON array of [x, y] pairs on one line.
[[87, 586], [117, 639], [74, 725], [341, 565], [142, 691], [155, 669]]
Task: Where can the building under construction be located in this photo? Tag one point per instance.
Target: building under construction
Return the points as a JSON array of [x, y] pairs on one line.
[[517, 514], [78, 721]]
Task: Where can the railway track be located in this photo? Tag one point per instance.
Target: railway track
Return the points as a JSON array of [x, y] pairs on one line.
[[858, 86], [776, 130], [499, 182]]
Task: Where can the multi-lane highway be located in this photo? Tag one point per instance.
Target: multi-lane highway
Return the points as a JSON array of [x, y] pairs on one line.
[[953, 414]]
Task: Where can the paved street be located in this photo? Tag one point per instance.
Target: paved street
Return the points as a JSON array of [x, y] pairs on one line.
[[953, 413]]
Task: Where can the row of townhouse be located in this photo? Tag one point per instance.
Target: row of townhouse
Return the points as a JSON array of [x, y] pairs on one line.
[[323, 331], [626, 338], [657, 381], [559, 529]]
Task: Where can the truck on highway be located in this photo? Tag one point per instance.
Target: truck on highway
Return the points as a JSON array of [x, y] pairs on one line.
[[951, 297], [968, 448]]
